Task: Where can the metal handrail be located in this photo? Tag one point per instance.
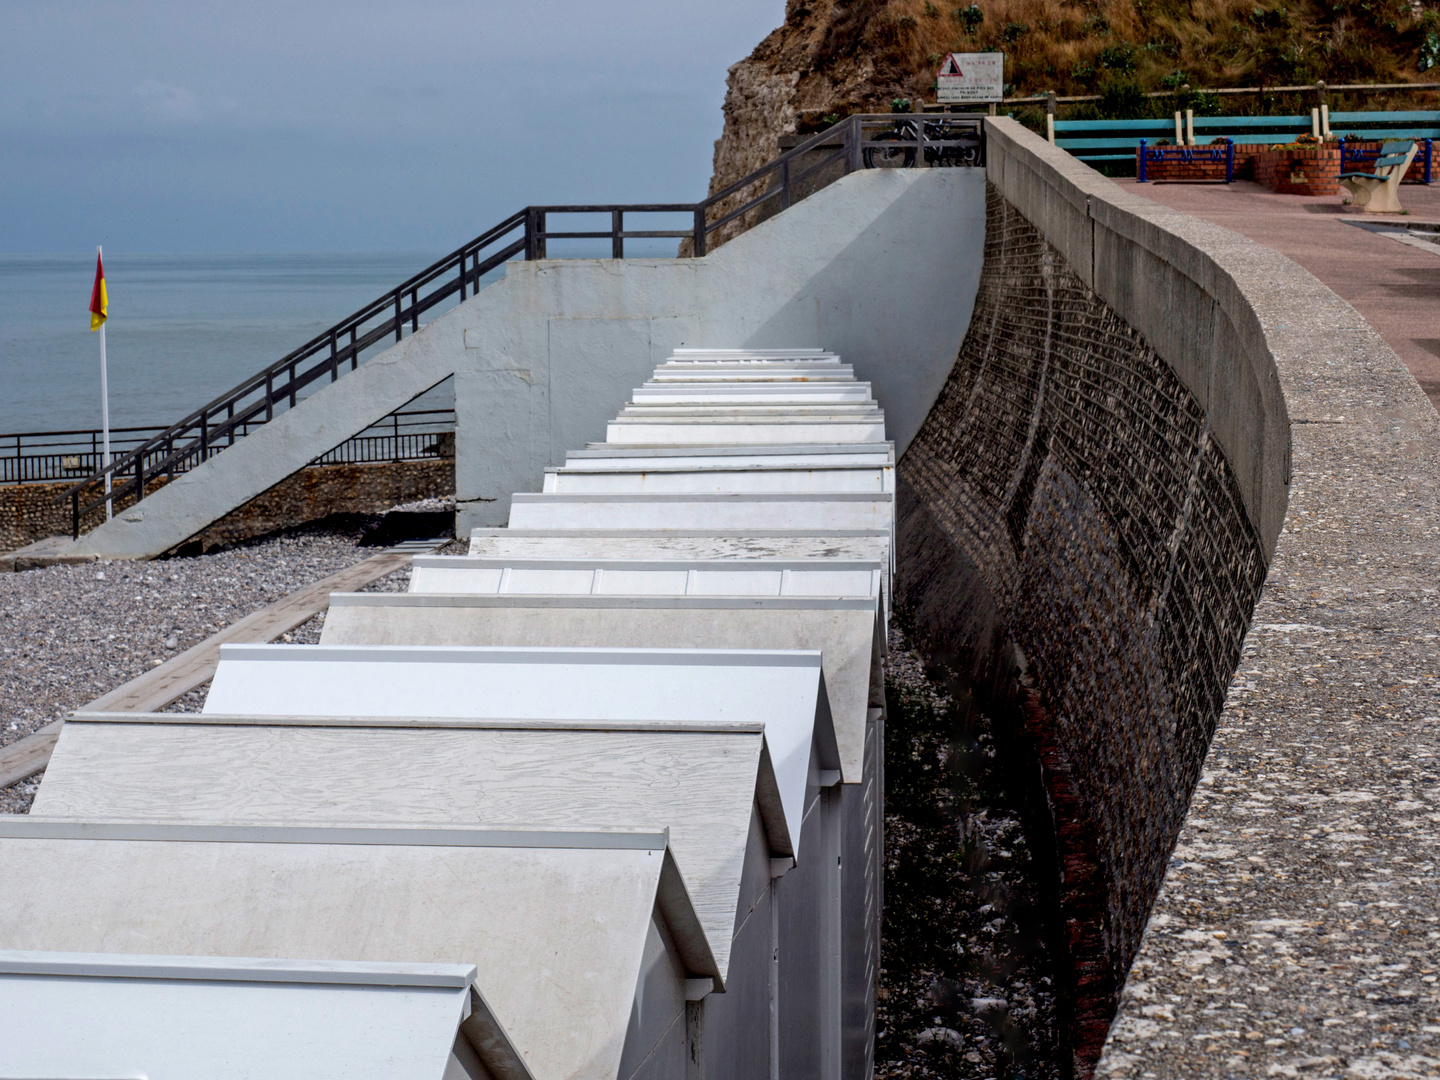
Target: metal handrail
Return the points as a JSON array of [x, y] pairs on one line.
[[216, 425], [38, 457]]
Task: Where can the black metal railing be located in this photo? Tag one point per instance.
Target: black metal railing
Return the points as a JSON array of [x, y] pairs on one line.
[[868, 141], [40, 457], [47, 457]]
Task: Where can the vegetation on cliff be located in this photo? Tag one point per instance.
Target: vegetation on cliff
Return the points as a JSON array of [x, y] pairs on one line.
[[835, 57]]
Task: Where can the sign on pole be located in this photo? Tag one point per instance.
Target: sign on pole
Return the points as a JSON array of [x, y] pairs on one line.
[[971, 78]]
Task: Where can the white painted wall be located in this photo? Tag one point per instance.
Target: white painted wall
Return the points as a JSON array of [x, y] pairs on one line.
[[880, 267]]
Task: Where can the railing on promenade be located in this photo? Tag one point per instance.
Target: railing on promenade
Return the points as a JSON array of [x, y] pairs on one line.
[[862, 141]]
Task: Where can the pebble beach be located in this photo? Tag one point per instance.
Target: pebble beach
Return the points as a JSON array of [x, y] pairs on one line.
[[69, 634]]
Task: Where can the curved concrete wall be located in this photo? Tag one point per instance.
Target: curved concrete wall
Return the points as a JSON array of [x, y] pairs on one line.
[[1087, 517]]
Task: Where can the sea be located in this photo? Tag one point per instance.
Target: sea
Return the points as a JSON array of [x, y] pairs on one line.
[[182, 330]]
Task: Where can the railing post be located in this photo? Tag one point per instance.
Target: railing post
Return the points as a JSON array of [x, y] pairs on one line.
[[617, 228], [1140, 179], [530, 231], [462, 277], [414, 310], [396, 418], [398, 323], [354, 351], [853, 134], [699, 241], [1229, 161], [19, 465], [230, 417], [540, 234], [1427, 159], [292, 384], [785, 185], [269, 396], [335, 346], [75, 515], [204, 436]]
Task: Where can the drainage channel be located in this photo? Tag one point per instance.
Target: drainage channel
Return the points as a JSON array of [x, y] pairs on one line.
[[969, 981]]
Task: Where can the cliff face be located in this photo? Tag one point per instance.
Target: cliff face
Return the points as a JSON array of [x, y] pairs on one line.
[[829, 58]]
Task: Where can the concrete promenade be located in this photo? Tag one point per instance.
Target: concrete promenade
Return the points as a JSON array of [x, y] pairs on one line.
[[1394, 285]]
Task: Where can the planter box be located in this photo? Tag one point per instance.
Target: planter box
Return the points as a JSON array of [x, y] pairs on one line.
[[1305, 170]]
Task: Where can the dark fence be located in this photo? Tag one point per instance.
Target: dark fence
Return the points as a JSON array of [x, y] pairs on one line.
[[895, 141], [45, 457]]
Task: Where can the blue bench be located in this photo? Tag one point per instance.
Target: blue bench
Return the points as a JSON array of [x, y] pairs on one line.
[[1377, 191]]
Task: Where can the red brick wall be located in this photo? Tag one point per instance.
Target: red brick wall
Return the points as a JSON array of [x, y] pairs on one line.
[[1306, 170], [1180, 171]]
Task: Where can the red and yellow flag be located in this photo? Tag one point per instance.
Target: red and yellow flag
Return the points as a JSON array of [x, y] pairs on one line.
[[98, 300]]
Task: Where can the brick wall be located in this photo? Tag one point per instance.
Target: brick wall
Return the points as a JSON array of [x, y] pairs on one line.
[[29, 512], [1071, 532], [1311, 170], [1200, 168]]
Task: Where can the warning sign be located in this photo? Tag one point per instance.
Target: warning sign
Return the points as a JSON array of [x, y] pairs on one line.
[[971, 77]]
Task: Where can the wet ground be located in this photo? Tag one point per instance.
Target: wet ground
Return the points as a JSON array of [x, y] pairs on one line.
[[967, 988]]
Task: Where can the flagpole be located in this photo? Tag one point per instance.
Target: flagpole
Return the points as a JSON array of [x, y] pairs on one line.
[[104, 411]]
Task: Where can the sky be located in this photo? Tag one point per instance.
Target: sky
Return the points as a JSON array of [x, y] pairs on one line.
[[318, 125]]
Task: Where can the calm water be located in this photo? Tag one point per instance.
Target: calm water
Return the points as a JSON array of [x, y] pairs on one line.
[[182, 329]]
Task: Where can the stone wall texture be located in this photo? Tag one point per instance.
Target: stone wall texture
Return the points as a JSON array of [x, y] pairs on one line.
[[30, 512], [1066, 493]]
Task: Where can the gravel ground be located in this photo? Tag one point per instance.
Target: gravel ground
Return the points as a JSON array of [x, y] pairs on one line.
[[966, 983], [71, 633]]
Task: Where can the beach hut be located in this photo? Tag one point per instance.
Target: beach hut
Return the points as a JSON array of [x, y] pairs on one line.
[[583, 942]]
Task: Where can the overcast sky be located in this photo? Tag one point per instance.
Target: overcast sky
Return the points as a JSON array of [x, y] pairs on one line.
[[322, 125]]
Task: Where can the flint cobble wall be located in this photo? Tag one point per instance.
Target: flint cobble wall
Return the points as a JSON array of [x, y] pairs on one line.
[[1075, 476], [1296, 930], [29, 512]]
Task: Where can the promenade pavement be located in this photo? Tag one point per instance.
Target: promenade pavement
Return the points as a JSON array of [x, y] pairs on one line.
[[1395, 286]]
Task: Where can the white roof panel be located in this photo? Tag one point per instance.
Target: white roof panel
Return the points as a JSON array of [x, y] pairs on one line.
[[845, 633], [226, 1018], [783, 689], [720, 478], [554, 927], [761, 510], [619, 577], [873, 544], [760, 410], [699, 782], [678, 431], [749, 393]]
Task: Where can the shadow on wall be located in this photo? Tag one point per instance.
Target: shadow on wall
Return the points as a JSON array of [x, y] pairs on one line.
[[1071, 533]]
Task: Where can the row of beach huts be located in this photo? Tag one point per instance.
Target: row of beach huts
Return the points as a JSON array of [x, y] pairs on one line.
[[600, 799]]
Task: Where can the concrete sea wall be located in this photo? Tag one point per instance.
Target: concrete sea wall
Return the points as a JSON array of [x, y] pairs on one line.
[[1087, 518]]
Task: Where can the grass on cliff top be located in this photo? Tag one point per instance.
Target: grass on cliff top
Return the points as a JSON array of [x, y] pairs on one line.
[[1123, 48]]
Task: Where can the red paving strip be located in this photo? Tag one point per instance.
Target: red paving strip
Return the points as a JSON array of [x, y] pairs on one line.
[[1396, 287]]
